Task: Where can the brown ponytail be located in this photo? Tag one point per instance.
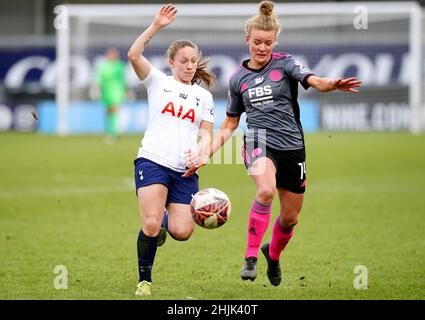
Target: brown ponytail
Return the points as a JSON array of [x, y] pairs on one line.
[[202, 74], [266, 20]]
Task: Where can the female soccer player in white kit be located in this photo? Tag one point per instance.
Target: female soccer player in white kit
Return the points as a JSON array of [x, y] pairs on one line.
[[180, 112]]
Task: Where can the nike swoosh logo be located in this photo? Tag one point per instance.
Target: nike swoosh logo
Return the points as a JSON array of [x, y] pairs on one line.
[[168, 90]]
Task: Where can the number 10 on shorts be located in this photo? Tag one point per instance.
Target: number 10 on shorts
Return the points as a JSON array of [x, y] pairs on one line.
[[303, 169]]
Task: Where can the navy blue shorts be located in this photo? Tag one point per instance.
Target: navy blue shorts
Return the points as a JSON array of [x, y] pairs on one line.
[[180, 190], [289, 164]]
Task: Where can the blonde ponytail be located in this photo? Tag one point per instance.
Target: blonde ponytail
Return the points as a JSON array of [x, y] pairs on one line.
[[266, 20]]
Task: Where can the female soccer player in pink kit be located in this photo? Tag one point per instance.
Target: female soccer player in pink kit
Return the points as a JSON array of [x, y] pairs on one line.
[[265, 87], [180, 112]]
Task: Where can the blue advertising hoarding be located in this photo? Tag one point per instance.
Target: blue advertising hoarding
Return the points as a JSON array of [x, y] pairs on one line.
[[378, 65], [30, 70], [90, 117]]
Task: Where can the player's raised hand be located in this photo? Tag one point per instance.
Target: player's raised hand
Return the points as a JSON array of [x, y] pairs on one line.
[[347, 85], [165, 16]]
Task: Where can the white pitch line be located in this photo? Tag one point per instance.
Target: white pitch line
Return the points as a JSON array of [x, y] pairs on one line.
[[65, 191]]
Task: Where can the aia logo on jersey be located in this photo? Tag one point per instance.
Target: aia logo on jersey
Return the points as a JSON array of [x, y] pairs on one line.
[[189, 115]]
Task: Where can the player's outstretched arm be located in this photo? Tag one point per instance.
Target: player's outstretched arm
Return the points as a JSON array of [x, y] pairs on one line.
[[200, 156], [229, 125], [162, 19], [326, 84], [195, 160]]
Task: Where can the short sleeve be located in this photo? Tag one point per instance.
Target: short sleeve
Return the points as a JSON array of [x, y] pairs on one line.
[[235, 106], [297, 71], [208, 108], [154, 77]]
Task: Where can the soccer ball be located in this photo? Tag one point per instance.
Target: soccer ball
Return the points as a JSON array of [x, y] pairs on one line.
[[210, 208]]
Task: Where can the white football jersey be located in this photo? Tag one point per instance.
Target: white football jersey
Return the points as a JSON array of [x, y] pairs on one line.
[[175, 114]]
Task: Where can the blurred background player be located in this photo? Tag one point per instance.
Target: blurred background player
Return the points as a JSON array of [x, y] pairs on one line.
[[110, 80], [265, 87], [180, 112]]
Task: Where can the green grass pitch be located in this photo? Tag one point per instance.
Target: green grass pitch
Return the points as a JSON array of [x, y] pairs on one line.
[[70, 201]]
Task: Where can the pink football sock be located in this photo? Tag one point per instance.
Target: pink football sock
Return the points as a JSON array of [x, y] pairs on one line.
[[259, 219], [280, 239]]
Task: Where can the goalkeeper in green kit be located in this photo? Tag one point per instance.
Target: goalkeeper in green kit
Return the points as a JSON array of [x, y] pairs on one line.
[[110, 79]]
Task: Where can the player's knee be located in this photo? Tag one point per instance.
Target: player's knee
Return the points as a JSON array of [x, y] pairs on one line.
[[265, 194], [182, 234], [151, 227]]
